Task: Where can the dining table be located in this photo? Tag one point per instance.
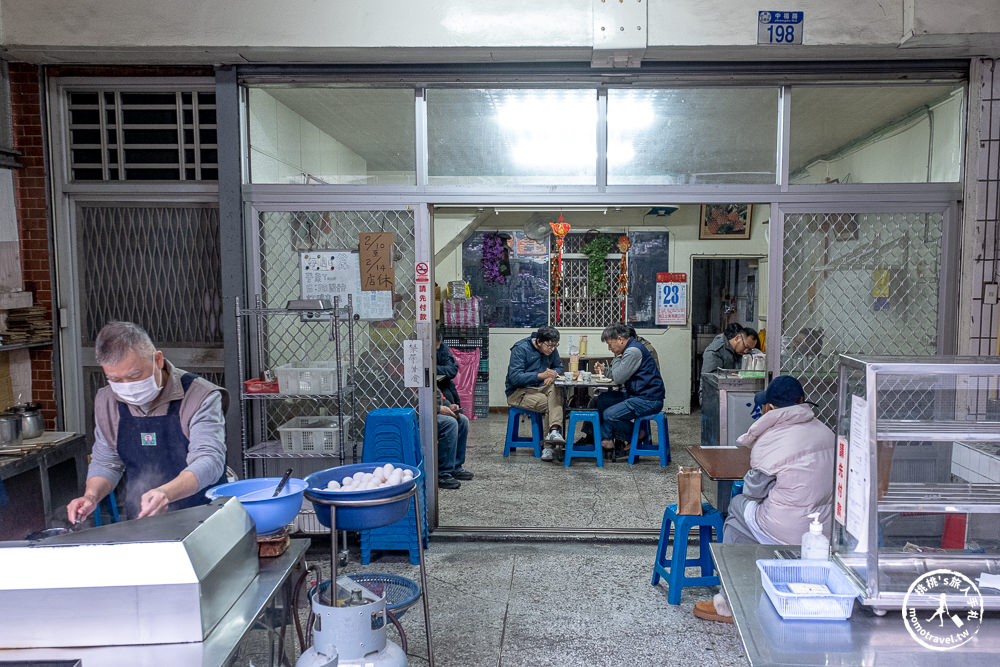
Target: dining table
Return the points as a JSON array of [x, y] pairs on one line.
[[723, 465]]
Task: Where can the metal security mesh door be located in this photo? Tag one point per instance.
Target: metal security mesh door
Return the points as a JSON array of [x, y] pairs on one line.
[[377, 346], [157, 266], [856, 283]]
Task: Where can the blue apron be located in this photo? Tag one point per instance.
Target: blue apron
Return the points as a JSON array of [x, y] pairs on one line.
[[154, 450]]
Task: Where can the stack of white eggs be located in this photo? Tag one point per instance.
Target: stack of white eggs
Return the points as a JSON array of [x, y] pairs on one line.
[[381, 477]]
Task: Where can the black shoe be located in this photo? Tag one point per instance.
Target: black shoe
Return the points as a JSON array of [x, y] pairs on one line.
[[462, 474], [448, 482]]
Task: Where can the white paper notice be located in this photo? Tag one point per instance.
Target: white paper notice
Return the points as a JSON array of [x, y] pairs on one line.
[[858, 483], [413, 362]]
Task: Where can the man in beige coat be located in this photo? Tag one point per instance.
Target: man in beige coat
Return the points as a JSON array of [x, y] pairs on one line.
[[791, 475]]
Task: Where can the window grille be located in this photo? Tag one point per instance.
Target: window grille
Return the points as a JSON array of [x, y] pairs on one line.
[[117, 135]]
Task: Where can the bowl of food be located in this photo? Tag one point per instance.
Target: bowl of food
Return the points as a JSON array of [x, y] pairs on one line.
[[368, 482], [270, 514]]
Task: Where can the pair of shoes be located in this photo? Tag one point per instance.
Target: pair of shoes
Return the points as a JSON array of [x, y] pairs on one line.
[[555, 436], [462, 474], [448, 482], [547, 454], [706, 610]]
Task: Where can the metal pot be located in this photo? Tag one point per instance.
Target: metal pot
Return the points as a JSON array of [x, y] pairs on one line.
[[10, 430], [32, 421]]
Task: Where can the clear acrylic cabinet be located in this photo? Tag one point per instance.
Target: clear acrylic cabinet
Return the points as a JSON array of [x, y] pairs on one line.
[[917, 484]]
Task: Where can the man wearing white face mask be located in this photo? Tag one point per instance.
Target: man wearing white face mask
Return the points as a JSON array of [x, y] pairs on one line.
[[163, 427]]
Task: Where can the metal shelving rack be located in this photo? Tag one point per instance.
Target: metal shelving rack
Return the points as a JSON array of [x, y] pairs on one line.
[[275, 336]]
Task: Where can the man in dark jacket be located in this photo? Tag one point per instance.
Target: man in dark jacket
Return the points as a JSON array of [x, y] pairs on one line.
[[447, 371], [634, 368], [725, 351], [531, 374]]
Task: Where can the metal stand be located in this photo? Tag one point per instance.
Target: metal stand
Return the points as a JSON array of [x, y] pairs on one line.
[[334, 504]]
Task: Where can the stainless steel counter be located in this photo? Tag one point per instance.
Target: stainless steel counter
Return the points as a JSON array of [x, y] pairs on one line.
[[727, 402], [217, 649], [863, 639]]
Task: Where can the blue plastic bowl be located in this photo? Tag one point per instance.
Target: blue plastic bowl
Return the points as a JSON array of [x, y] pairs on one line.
[[360, 518], [270, 514]]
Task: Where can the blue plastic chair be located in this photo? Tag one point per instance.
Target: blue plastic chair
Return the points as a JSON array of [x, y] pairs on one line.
[[592, 451], [673, 568], [514, 439], [737, 489], [662, 448], [112, 505]]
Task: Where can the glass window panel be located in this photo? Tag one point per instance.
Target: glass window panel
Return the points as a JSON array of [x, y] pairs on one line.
[[337, 136], [647, 257], [876, 134], [501, 137], [522, 300], [692, 136]]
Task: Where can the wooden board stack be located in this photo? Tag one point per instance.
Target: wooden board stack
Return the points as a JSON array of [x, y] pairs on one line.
[[26, 325]]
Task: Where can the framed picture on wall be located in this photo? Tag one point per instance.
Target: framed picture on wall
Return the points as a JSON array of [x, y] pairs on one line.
[[724, 221]]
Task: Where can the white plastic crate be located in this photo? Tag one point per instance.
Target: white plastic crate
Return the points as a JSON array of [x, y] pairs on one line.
[[777, 574], [318, 435], [306, 522], [308, 377]]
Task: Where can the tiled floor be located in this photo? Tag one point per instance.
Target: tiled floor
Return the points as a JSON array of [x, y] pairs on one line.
[[512, 602], [507, 604], [522, 491]]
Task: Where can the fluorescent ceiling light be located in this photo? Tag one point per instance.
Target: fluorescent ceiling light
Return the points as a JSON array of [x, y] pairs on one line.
[[563, 209]]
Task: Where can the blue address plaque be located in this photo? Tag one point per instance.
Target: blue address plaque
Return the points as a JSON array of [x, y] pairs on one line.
[[779, 27]]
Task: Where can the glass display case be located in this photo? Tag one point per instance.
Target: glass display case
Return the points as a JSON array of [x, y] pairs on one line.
[[917, 480]]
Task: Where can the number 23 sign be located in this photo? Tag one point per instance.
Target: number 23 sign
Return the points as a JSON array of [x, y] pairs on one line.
[[671, 298]]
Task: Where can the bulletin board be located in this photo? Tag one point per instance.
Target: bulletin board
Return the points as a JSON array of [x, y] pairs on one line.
[[324, 274]]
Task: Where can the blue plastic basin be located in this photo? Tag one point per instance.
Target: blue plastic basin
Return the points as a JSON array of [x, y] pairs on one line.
[[360, 518], [270, 514]]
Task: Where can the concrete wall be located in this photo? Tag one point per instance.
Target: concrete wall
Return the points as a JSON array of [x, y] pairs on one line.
[[239, 31]]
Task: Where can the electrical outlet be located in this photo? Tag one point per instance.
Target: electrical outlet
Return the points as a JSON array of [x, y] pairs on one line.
[[990, 294]]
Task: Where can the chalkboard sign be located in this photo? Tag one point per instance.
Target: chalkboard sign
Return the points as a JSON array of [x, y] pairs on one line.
[[325, 274]]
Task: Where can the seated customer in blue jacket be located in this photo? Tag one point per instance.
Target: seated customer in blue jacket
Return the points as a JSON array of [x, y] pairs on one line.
[[534, 367], [635, 370]]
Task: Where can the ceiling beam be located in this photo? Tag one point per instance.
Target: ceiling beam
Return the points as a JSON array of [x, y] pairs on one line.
[[462, 235]]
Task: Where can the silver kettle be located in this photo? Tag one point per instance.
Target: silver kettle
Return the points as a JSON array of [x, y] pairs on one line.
[[32, 421]]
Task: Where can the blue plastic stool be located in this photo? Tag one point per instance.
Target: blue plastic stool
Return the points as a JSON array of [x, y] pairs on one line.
[[112, 505], [515, 440], [673, 569], [662, 439], [593, 451]]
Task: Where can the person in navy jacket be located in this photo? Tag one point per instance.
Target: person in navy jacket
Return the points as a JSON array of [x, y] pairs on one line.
[[635, 370], [531, 375]]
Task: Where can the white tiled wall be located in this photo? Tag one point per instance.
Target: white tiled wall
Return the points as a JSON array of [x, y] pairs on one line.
[[975, 464]]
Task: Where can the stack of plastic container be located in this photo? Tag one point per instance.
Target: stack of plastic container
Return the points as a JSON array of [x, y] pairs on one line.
[[474, 338], [392, 436]]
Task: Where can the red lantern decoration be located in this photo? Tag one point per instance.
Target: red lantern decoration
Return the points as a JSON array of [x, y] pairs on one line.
[[623, 247], [560, 229]]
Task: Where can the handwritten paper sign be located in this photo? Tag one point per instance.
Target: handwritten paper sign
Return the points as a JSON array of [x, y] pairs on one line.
[[377, 271], [325, 274], [413, 362]]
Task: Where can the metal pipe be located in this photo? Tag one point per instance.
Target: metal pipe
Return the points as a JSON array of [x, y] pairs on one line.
[[423, 576]]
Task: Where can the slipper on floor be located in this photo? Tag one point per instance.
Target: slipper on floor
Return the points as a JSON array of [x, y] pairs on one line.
[[706, 610]]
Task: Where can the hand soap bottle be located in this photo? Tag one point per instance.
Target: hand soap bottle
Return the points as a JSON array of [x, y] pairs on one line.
[[815, 544]]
